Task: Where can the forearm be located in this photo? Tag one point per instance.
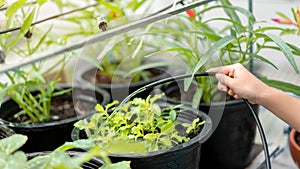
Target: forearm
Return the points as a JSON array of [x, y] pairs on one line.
[[282, 105]]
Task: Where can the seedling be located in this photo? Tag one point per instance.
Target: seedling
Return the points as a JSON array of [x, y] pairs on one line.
[[141, 124]]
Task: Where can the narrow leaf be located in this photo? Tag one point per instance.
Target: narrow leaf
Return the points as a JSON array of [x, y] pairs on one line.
[[285, 49], [12, 9], [216, 47], [283, 15], [284, 86], [148, 66], [41, 2], [28, 21]]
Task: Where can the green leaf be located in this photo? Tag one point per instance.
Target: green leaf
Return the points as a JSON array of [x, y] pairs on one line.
[[12, 9], [285, 49], [148, 66], [282, 15], [28, 21], [83, 144], [32, 84], [24, 28], [231, 13], [167, 127], [2, 2], [12, 143], [38, 76], [119, 165], [295, 49], [284, 86], [173, 115], [16, 161], [15, 41], [41, 2], [41, 41], [197, 97], [39, 162], [216, 47], [264, 60], [61, 92]]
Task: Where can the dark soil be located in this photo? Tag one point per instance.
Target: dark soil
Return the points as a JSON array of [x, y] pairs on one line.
[[62, 107]]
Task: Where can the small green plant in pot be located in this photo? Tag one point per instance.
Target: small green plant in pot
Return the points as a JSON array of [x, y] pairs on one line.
[[31, 103], [144, 130]]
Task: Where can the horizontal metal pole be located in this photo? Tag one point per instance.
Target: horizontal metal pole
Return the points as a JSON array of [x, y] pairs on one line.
[[99, 37]]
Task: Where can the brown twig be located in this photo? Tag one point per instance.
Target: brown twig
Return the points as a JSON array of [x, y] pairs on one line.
[[49, 18]]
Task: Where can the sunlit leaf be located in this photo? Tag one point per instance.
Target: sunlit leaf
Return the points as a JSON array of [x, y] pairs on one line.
[[12, 9], [12, 143], [286, 50], [119, 165]]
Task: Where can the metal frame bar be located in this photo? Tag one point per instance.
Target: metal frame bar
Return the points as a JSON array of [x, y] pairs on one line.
[[99, 37]]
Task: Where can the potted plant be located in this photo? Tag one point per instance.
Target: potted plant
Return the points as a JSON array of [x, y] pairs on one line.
[[119, 64], [123, 68], [46, 113], [148, 133], [33, 103], [12, 157], [195, 40]]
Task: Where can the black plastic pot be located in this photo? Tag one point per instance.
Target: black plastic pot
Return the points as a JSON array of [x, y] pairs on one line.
[[48, 136], [231, 142], [94, 163], [183, 156], [118, 91], [5, 131]]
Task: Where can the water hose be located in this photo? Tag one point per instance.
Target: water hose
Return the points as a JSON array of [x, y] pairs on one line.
[[255, 116]]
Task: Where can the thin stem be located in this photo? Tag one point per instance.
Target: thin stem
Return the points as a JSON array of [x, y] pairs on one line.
[[49, 18]]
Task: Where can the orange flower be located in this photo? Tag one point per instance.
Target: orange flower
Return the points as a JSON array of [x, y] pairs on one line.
[[191, 13]]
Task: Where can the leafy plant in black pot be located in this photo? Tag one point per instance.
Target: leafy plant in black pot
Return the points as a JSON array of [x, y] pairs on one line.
[[46, 113], [200, 45], [148, 133], [12, 157], [31, 103]]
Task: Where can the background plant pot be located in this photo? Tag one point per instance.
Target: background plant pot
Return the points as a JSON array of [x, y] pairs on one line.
[[5, 131], [183, 156], [119, 91], [231, 142], [94, 163], [48, 136], [294, 139]]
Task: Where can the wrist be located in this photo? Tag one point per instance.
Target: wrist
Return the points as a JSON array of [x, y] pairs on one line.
[[265, 94]]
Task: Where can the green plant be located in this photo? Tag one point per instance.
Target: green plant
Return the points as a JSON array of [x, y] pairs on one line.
[[139, 126], [30, 39], [11, 158], [202, 43], [22, 81]]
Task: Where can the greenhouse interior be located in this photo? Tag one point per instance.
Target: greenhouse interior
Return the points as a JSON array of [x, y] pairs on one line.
[[140, 84]]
